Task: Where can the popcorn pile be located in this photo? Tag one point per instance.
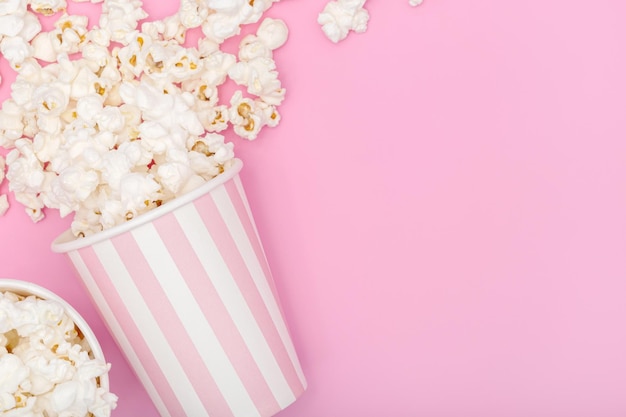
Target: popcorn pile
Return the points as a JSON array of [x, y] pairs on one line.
[[339, 17], [46, 366], [111, 121]]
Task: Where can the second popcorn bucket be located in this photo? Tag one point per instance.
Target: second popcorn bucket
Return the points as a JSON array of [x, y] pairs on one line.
[[187, 294]]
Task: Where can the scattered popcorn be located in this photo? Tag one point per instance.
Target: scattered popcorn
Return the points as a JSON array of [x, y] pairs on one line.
[[271, 34], [15, 50], [12, 24], [67, 37], [193, 13], [47, 7], [120, 17], [261, 79], [341, 16], [46, 366], [110, 122], [9, 7], [249, 116], [229, 15]]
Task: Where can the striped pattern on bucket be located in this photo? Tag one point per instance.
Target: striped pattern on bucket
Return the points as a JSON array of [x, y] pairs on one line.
[[190, 300]]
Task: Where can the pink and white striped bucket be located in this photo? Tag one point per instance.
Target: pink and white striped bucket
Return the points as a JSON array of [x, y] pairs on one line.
[[187, 294]]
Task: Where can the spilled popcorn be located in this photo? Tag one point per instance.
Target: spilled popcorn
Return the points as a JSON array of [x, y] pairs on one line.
[[109, 122], [46, 366], [339, 17]]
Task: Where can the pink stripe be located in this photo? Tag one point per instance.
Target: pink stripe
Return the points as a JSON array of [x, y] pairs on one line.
[[238, 201], [171, 325], [216, 314], [228, 249], [123, 317]]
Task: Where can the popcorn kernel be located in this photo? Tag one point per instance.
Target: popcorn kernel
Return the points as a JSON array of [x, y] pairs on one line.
[[13, 339], [200, 147], [249, 126], [20, 401], [46, 11], [99, 89], [148, 75], [244, 110]]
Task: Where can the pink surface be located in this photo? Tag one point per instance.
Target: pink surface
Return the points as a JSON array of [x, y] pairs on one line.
[[443, 207]]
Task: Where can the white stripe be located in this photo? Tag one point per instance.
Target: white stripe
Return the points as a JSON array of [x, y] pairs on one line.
[[114, 326], [192, 317], [238, 232], [235, 303], [149, 329]]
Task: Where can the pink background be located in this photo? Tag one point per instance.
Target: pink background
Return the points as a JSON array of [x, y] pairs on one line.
[[444, 209]]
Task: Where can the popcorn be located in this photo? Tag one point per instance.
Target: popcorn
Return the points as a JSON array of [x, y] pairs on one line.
[[47, 7], [120, 18], [4, 204], [11, 24], [46, 366], [11, 120], [229, 15], [193, 12], [51, 99], [260, 77], [249, 116], [273, 33], [341, 16], [121, 120], [216, 67], [9, 7], [26, 177], [15, 50], [415, 2], [31, 27], [170, 28], [67, 37]]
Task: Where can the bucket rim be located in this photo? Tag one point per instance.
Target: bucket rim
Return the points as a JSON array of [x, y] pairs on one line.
[[67, 242]]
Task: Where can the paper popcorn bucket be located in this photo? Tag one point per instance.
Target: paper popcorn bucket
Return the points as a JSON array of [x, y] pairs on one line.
[[26, 289], [187, 294]]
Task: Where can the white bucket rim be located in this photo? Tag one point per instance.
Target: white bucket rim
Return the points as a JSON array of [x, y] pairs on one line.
[[67, 242]]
